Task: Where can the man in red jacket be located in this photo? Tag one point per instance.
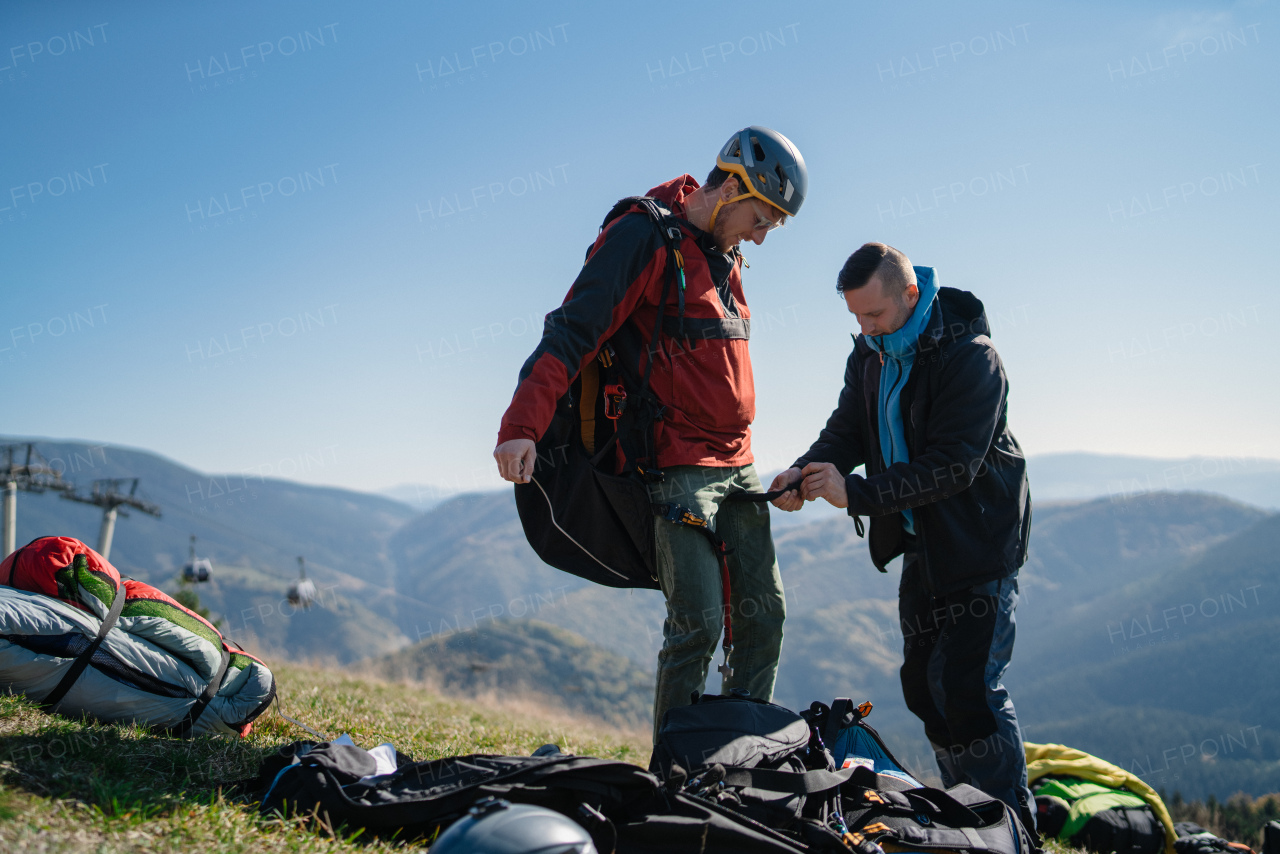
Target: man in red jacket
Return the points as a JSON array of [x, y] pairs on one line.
[[702, 377]]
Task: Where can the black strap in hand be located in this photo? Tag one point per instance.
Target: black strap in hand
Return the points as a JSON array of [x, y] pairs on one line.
[[83, 659], [765, 496], [794, 485]]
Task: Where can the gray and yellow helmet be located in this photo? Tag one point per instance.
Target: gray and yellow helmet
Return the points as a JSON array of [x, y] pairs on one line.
[[769, 167], [495, 826]]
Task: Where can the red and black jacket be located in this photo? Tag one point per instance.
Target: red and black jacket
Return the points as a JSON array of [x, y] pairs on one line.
[[702, 373]]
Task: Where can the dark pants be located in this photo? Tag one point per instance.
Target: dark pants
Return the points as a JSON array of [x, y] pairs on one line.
[[957, 648]]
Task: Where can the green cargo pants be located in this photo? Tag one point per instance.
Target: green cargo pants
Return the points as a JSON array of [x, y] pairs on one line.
[[689, 574]]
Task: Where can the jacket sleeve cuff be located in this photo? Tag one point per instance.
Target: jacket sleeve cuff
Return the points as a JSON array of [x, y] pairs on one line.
[[855, 486], [515, 431]]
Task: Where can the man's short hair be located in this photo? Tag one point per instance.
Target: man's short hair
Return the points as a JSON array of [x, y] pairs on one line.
[[871, 259], [716, 177]]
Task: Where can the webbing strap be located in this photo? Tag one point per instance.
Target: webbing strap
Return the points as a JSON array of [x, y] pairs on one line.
[[795, 484], [790, 782], [671, 233], [1000, 840], [681, 515], [763, 496], [83, 659], [210, 691], [590, 388], [724, 584]]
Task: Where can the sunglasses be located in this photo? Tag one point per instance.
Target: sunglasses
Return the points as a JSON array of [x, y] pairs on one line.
[[765, 222]]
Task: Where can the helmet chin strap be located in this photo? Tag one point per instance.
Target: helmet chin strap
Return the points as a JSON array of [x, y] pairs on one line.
[[711, 226]]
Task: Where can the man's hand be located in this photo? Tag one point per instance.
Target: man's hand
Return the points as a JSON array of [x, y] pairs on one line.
[[791, 500], [822, 480], [515, 459]]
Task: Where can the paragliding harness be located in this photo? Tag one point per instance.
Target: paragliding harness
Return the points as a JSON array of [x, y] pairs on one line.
[[586, 509]]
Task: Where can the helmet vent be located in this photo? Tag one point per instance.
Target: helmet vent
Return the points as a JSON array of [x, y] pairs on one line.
[[757, 149], [782, 176]]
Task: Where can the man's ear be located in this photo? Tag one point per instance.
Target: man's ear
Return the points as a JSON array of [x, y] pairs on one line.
[[729, 188], [912, 295]]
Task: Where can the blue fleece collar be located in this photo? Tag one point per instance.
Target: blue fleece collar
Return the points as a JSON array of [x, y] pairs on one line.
[[898, 351]]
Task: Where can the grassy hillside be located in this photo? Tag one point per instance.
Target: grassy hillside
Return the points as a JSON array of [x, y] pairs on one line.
[[253, 528], [73, 786], [467, 563], [532, 659], [389, 576], [1173, 675]]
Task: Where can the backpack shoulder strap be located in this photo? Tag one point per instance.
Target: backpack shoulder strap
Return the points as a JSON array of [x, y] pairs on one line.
[[83, 660], [671, 232]]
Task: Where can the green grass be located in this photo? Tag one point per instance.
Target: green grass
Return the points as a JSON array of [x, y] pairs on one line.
[[78, 786]]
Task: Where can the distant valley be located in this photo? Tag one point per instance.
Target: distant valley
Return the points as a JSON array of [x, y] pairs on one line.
[[1147, 623]]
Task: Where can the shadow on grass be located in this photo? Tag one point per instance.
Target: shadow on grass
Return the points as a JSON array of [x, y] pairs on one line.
[[118, 770], [123, 777]]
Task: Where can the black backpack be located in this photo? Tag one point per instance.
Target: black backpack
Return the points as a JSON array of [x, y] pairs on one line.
[[622, 806], [421, 798], [961, 818], [735, 730], [1110, 827], [627, 810], [581, 511], [1194, 839], [785, 780]]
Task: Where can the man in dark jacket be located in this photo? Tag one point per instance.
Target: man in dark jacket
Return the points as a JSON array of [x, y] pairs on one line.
[[924, 408], [701, 376]]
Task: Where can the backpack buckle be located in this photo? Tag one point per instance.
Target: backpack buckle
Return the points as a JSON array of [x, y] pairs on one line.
[[650, 475], [615, 401]]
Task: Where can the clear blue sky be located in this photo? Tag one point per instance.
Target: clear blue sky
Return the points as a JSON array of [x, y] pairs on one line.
[[317, 239]]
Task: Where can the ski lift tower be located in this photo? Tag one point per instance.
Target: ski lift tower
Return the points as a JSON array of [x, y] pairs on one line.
[[109, 494], [32, 475]]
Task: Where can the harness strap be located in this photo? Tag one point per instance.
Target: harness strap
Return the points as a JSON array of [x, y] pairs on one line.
[[643, 405], [590, 387], [681, 515], [210, 691], [83, 659]]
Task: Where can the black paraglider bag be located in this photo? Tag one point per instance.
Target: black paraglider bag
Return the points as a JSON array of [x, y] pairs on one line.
[[587, 510], [584, 520]]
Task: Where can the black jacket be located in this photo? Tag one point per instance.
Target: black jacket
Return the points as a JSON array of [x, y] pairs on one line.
[[966, 483]]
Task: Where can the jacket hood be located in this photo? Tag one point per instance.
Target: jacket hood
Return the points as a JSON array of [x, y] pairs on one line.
[[962, 315], [672, 193]]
